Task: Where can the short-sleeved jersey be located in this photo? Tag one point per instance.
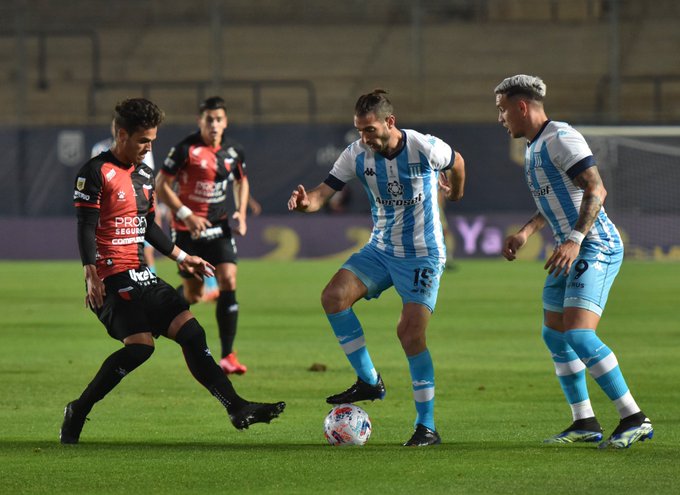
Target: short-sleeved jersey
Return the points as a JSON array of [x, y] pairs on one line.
[[203, 174], [124, 196], [556, 156], [402, 191]]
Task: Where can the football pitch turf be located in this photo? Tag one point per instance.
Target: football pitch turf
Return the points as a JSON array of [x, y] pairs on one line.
[[496, 393]]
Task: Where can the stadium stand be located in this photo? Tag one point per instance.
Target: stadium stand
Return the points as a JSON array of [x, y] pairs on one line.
[[295, 61]]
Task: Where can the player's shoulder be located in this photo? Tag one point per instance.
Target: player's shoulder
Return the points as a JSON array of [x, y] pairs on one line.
[[559, 130], [232, 147], [94, 165], [420, 139]]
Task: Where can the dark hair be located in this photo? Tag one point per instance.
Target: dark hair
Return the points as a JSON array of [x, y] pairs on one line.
[[374, 102], [137, 113], [212, 103]]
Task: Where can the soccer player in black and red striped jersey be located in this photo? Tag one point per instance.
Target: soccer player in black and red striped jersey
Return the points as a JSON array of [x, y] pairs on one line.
[[193, 182], [114, 199]]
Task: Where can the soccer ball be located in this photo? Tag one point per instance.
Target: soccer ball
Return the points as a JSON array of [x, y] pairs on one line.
[[347, 424]]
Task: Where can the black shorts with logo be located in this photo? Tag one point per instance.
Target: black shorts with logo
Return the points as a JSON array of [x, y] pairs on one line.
[[216, 245], [137, 301]]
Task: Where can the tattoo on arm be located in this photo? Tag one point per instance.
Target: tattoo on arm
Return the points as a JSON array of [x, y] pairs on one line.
[[593, 196]]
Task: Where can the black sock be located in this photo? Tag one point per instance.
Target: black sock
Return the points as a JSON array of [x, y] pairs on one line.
[[204, 368], [112, 371], [227, 317]]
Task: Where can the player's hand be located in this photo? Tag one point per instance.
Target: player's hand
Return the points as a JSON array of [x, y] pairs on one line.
[[255, 207], [562, 258], [298, 199], [96, 290], [241, 227], [197, 266], [513, 244], [444, 184], [196, 224]]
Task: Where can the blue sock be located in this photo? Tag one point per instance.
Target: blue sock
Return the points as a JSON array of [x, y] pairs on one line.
[[348, 330], [210, 283], [568, 367], [600, 361], [422, 378]]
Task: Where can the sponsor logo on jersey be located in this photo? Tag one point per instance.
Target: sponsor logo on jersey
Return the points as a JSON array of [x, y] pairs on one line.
[[110, 174], [142, 277], [80, 183], [395, 188], [399, 202], [129, 226], [144, 174], [208, 189], [369, 172], [543, 191], [121, 195], [78, 194]]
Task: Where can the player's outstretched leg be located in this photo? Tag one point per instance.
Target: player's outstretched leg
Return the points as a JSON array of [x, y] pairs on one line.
[[203, 367], [112, 371]]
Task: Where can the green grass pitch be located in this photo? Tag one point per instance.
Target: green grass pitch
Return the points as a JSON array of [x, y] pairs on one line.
[[497, 396]]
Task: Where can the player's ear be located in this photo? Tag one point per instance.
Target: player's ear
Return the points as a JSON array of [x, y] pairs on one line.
[[391, 121]]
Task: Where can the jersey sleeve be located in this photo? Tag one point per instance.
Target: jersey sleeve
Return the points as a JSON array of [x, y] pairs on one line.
[[440, 153], [236, 153], [344, 168], [570, 152], [88, 187], [175, 160]]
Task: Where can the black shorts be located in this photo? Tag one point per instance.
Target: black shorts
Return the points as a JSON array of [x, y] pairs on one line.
[[137, 301], [216, 249]]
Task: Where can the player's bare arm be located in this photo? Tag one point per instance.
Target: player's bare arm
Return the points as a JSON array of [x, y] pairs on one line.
[[311, 201], [241, 195], [593, 198], [452, 181], [164, 187], [514, 243]]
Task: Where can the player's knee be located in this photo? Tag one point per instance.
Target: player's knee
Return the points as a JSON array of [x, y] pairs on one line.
[[412, 343], [139, 353], [191, 333], [332, 300]]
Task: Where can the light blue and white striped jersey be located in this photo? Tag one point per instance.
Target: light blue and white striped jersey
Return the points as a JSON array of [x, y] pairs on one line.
[[558, 154], [402, 192]]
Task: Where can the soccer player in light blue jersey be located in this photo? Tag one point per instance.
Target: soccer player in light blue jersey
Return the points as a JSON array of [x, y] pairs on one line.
[[562, 176], [400, 171]]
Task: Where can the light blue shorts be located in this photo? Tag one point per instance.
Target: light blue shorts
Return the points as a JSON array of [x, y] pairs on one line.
[[415, 279], [587, 285]]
